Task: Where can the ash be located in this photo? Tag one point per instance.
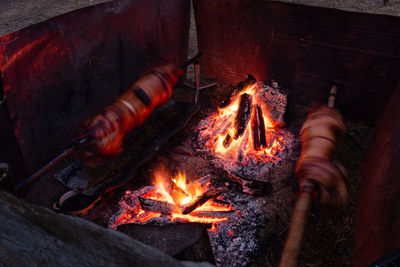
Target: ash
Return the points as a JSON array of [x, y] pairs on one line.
[[237, 241], [274, 170]]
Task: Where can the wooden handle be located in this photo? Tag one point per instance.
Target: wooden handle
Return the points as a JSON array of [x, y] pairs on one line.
[[296, 231]]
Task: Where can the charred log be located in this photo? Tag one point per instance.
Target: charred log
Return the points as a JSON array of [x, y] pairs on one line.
[[156, 205], [255, 129], [261, 126], [258, 128], [252, 187], [210, 194], [239, 87], [227, 141], [243, 114]]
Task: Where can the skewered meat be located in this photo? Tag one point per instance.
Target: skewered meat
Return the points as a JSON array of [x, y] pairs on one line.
[[107, 129]]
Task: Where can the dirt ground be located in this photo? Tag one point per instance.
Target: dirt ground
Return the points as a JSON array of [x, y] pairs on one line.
[[386, 7], [18, 14]]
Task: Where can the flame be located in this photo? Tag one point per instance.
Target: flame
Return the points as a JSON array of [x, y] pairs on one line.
[[223, 125], [177, 192]]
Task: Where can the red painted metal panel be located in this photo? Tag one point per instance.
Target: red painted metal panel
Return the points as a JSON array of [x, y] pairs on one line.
[[59, 73], [306, 49], [377, 229]]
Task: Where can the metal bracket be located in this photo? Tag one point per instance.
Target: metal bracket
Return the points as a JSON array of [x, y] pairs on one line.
[[196, 63]]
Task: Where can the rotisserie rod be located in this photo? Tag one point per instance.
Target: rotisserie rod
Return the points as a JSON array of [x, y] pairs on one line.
[[103, 136], [315, 170]]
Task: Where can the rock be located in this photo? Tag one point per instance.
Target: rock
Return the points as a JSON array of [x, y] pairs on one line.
[[36, 236]]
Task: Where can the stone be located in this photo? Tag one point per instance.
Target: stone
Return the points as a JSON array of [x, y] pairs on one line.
[[31, 235]]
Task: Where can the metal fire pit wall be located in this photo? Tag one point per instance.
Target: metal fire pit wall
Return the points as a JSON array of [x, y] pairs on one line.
[[305, 48], [58, 73]]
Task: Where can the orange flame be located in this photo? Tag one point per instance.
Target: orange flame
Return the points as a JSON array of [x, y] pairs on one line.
[[183, 194], [223, 125]]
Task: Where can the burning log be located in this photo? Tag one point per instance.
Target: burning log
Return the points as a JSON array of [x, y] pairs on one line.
[[156, 206], [239, 87], [258, 128], [227, 141], [243, 114], [210, 194], [261, 126]]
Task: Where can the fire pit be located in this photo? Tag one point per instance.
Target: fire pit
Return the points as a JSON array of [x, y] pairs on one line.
[[246, 136], [170, 200], [242, 211], [228, 168]]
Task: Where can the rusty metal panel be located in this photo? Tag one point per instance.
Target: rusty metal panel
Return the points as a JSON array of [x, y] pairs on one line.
[[306, 49], [59, 73], [377, 218], [9, 148]]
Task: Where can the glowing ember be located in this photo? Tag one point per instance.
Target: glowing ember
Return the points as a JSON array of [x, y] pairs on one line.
[[177, 192], [243, 130]]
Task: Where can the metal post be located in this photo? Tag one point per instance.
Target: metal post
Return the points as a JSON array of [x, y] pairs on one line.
[[196, 70]]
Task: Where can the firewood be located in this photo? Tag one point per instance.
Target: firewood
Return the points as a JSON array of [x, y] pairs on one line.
[[243, 115], [255, 129], [156, 205], [252, 187], [239, 87], [258, 128], [210, 194], [261, 126], [227, 141]]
